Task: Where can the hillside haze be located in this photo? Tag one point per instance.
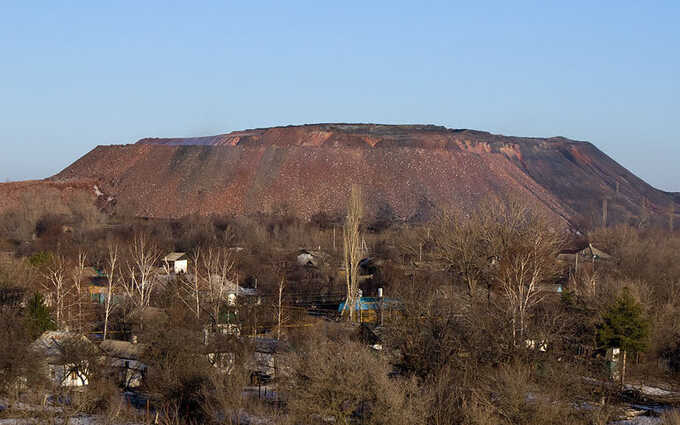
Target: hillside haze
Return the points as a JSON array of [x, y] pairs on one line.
[[407, 172]]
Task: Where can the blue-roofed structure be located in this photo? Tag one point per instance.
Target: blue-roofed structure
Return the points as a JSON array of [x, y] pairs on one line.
[[369, 307]]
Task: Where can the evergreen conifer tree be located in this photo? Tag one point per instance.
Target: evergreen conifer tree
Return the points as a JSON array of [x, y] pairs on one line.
[[624, 326], [38, 318]]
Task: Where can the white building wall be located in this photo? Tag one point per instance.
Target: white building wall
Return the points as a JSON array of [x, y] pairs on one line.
[[181, 266], [63, 376]]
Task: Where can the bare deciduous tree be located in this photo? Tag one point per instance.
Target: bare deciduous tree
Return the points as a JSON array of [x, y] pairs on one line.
[[141, 271], [352, 249], [56, 284], [77, 277], [190, 285], [459, 245], [413, 241], [525, 249], [216, 274], [112, 273]]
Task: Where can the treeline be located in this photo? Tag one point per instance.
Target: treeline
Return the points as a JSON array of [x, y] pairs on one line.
[[494, 326]]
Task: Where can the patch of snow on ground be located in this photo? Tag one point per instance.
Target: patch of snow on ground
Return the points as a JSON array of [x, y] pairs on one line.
[[651, 391], [81, 420], [640, 420]]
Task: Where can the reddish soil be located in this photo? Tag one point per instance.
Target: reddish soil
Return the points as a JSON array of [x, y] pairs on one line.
[[409, 170]]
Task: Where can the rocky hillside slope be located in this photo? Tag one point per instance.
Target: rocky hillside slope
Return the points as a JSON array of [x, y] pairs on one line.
[[405, 171]]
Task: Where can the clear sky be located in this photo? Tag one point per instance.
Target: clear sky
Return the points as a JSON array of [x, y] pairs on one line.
[[77, 74]]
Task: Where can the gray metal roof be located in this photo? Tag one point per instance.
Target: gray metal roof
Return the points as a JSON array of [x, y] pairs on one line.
[[175, 256]]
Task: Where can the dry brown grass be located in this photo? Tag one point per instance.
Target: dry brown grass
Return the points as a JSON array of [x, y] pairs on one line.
[[671, 417]]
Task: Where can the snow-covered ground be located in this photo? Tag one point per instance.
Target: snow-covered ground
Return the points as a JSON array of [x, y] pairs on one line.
[[80, 420], [652, 391], [641, 420]]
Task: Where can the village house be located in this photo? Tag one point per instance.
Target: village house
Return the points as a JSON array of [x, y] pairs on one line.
[[265, 366], [96, 284], [124, 359], [232, 295], [309, 258], [373, 309], [56, 349], [589, 254], [176, 262], [219, 351], [585, 259], [594, 254], [228, 289]]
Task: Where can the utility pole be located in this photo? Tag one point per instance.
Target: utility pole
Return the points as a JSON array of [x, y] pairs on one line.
[[359, 295], [576, 267], [671, 217], [644, 219], [604, 212]]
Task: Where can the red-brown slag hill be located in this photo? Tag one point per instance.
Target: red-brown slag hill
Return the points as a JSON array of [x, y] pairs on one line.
[[410, 170]]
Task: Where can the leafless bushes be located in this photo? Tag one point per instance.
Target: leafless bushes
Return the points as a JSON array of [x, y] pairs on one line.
[[48, 213], [18, 366], [185, 383], [479, 336], [671, 417], [341, 382]]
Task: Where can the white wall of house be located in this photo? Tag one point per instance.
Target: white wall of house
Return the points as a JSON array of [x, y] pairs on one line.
[[305, 259], [181, 266], [66, 376]]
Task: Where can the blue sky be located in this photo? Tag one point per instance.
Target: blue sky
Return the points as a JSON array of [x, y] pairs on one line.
[[77, 74]]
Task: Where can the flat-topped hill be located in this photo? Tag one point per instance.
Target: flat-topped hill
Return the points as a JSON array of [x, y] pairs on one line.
[[408, 171]]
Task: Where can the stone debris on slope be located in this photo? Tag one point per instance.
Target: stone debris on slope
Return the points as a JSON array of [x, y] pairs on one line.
[[309, 169]]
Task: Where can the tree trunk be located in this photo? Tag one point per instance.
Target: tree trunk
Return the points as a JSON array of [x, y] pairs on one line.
[[106, 325], [352, 250], [623, 369], [278, 330]]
